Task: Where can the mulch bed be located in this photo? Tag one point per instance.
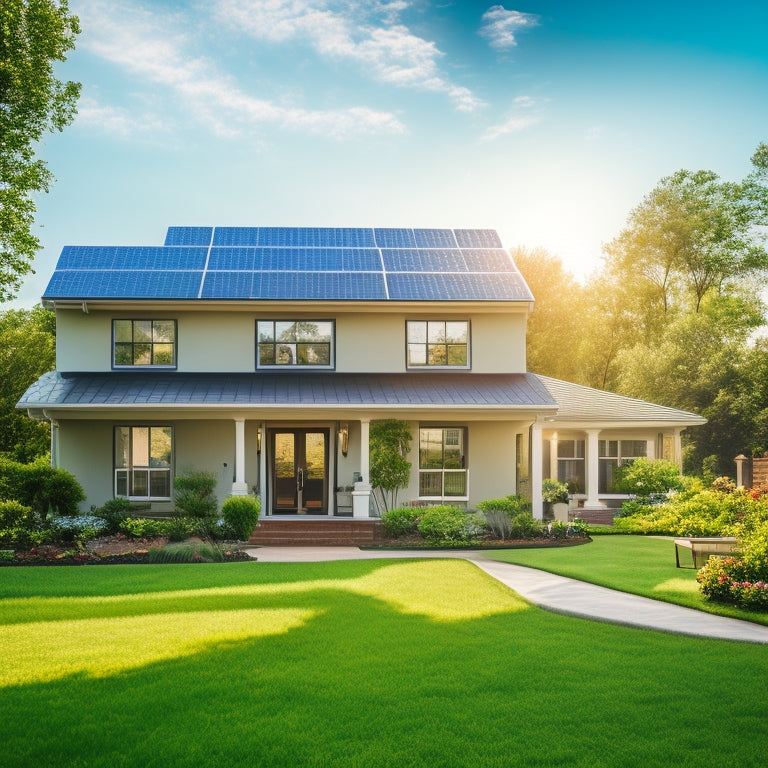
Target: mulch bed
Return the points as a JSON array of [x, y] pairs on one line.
[[107, 550]]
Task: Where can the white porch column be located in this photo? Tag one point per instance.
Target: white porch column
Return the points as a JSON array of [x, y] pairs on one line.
[[361, 495], [263, 468], [678, 448], [239, 487], [593, 474], [553, 456], [537, 470]]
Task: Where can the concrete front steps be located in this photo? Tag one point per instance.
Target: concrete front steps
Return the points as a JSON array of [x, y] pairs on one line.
[[317, 531]]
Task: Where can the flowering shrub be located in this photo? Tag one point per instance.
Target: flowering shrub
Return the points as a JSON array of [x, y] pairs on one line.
[[79, 527], [645, 478]]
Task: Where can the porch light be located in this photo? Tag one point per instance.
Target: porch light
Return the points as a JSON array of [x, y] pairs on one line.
[[344, 438], [258, 440]]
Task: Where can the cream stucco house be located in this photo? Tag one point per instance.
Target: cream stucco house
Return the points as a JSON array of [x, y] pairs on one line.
[[264, 354]]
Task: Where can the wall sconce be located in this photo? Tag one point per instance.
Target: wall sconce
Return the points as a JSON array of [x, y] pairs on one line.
[[344, 438], [258, 440]]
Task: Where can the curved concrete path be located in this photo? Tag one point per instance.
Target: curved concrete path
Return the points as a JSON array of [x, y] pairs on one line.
[[553, 593]]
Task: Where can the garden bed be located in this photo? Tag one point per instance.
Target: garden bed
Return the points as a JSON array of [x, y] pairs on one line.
[[417, 542], [106, 550]]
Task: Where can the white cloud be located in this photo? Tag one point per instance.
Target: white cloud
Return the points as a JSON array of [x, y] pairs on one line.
[[525, 113], [118, 121], [147, 44], [365, 34], [500, 25]]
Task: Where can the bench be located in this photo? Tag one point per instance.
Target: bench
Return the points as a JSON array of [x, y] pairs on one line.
[[703, 548]]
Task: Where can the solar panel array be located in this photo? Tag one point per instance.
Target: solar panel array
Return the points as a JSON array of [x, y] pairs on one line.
[[295, 263]]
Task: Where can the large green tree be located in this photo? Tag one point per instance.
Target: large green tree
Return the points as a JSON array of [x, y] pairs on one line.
[[27, 350], [34, 35]]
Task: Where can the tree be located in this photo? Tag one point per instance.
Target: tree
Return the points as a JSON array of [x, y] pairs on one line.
[[34, 34], [27, 350], [554, 327], [390, 442], [693, 235]]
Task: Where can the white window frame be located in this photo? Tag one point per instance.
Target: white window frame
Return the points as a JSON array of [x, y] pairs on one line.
[[296, 366], [443, 497], [124, 476], [427, 366], [145, 366]]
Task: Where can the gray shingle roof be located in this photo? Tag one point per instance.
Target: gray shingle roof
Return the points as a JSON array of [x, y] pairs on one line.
[[580, 403], [463, 390]]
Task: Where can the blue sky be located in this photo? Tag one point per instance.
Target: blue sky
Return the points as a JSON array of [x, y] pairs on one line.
[[548, 121]]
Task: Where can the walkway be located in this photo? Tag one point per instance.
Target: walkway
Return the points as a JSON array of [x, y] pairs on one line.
[[554, 593]]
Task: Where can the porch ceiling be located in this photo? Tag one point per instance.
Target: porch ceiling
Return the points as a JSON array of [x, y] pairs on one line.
[[288, 390]]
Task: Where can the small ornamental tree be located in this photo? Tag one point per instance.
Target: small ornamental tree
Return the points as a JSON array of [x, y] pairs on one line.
[[390, 443]]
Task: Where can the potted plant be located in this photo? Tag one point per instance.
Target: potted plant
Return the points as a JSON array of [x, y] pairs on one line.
[[555, 496]]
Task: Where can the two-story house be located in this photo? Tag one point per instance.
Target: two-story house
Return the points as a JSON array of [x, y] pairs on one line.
[[263, 354]]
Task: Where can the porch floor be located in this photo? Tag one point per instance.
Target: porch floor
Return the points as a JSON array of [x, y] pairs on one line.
[[315, 530]]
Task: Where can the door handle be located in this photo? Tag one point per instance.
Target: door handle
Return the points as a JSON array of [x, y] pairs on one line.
[[300, 480]]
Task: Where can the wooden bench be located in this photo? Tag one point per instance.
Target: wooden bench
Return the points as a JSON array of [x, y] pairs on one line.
[[703, 548]]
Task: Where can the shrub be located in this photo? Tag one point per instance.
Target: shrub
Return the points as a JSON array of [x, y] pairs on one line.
[[194, 495], [525, 526], [401, 521], [445, 524], [175, 528], [20, 537], [114, 512], [185, 552], [512, 505], [13, 515], [645, 478], [40, 486], [241, 513]]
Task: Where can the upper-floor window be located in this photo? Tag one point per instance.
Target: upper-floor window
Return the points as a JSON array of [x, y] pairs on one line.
[[297, 343], [144, 343], [438, 343]]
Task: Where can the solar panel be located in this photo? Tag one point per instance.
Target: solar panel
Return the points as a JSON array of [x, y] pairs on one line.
[[395, 238], [434, 238], [423, 260], [227, 285], [456, 287], [139, 284], [477, 238], [188, 236], [296, 263], [131, 257], [488, 260]]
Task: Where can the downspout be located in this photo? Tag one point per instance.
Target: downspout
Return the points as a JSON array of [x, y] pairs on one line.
[[54, 439]]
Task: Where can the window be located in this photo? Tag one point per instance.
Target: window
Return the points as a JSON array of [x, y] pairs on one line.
[[613, 453], [143, 460], [144, 342], [297, 343], [570, 464], [438, 343], [442, 462]]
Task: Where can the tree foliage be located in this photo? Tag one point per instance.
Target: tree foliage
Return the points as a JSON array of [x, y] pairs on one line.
[[675, 314], [27, 350], [34, 35], [390, 443]]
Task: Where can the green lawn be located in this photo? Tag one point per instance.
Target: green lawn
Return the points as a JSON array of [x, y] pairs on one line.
[[360, 663], [637, 564]]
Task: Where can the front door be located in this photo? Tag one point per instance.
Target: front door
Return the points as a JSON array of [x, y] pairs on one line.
[[300, 471]]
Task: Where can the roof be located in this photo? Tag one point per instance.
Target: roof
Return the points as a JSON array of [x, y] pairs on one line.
[[578, 403], [276, 389], [295, 263]]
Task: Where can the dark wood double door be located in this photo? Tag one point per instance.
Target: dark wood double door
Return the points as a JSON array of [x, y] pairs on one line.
[[299, 464]]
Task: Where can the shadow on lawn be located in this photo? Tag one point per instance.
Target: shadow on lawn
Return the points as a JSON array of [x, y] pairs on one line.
[[362, 681]]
